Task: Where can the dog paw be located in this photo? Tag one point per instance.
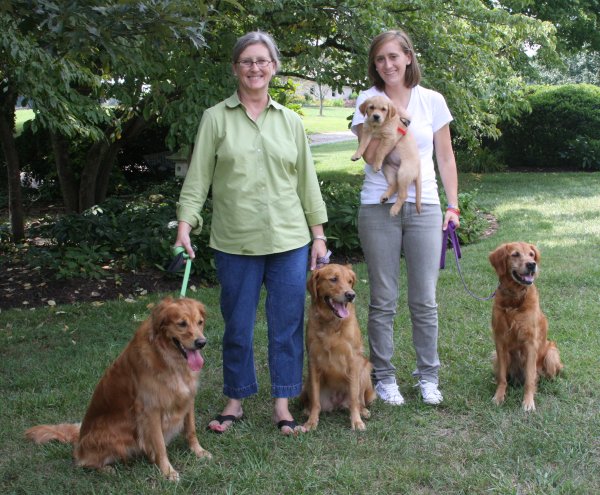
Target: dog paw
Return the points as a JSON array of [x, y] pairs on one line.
[[200, 452], [355, 158], [383, 199], [358, 425], [394, 210], [498, 399], [172, 475], [528, 406], [310, 425], [365, 413]]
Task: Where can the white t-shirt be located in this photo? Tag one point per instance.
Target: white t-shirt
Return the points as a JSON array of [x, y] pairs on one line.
[[429, 112]]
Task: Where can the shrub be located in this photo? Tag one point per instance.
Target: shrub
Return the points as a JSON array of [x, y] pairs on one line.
[[139, 233], [343, 202], [134, 234], [562, 131]]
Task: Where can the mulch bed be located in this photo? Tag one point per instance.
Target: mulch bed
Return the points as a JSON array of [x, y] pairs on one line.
[[23, 287]]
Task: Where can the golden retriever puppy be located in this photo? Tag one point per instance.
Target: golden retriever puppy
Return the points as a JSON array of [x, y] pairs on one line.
[[520, 329], [403, 166], [339, 375], [146, 397]]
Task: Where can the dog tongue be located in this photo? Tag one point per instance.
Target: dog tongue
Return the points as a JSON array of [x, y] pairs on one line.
[[195, 360], [340, 309], [527, 278]]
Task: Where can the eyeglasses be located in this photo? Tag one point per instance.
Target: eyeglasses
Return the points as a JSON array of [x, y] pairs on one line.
[[246, 63]]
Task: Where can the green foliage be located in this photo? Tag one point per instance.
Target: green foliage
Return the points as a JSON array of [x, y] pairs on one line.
[[343, 202], [561, 132], [133, 234], [85, 260]]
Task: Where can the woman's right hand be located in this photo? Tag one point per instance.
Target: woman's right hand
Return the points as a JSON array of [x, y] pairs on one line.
[[183, 238]]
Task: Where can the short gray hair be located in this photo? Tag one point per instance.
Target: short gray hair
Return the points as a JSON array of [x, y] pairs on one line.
[[253, 38]]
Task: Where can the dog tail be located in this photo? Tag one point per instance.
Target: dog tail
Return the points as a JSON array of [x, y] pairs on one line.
[[64, 432], [552, 364]]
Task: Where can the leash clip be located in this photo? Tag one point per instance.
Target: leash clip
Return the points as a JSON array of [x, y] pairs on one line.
[[181, 258]]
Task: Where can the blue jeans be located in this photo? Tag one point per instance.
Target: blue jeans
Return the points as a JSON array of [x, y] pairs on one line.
[[382, 239], [241, 278]]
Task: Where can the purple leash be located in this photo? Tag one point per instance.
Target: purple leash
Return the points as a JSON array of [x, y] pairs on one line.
[[450, 233], [323, 260]]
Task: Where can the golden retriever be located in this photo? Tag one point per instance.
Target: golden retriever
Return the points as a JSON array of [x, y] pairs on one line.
[[146, 397], [520, 329], [403, 166], [339, 375]]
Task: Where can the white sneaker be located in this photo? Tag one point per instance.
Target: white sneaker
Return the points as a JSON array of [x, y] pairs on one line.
[[430, 392], [389, 393]]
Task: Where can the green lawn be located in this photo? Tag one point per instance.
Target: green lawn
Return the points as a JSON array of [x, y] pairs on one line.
[[334, 119], [52, 358], [22, 116]]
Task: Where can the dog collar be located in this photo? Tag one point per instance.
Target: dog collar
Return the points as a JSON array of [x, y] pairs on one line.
[[401, 131]]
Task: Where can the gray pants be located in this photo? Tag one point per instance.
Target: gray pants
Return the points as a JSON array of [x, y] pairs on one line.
[[419, 237]]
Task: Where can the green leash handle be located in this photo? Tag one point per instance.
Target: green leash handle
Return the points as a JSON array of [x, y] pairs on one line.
[[188, 267]]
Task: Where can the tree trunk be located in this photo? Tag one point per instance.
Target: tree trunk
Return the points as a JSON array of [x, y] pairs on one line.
[[66, 178], [15, 199], [89, 174], [131, 130], [7, 139]]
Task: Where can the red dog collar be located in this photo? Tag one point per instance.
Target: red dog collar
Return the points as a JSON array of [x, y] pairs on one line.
[[401, 131]]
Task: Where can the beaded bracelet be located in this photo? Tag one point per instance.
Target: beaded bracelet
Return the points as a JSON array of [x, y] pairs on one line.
[[456, 211]]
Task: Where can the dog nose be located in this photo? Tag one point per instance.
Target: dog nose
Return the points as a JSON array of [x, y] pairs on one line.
[[531, 266], [199, 343], [349, 296], [376, 118]]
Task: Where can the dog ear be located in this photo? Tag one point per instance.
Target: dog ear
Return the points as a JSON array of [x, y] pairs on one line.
[[312, 284], [498, 259], [363, 107], [158, 317], [392, 112], [352, 274], [536, 253]]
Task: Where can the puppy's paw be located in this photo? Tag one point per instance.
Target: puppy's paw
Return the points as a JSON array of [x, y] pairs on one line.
[[394, 210], [376, 167], [384, 199], [355, 157]]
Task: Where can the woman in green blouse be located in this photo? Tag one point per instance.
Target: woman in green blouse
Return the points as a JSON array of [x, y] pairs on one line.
[[266, 207]]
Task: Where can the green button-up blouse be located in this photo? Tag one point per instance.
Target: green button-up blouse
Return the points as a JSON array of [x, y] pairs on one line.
[[265, 190]]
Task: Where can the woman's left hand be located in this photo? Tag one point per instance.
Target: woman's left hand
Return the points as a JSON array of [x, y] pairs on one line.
[[451, 216]]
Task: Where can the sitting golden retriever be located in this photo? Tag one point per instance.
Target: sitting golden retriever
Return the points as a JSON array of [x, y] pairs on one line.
[[403, 166], [146, 397], [339, 375], [520, 329]]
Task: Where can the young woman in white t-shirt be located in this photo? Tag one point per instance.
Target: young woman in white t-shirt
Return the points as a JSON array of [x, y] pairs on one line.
[[395, 73]]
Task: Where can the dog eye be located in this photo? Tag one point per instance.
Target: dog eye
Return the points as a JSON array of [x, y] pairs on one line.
[[200, 323], [516, 255], [182, 323], [333, 279]]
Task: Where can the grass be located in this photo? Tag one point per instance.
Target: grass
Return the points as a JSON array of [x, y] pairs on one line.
[[332, 120], [52, 357], [22, 116]]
